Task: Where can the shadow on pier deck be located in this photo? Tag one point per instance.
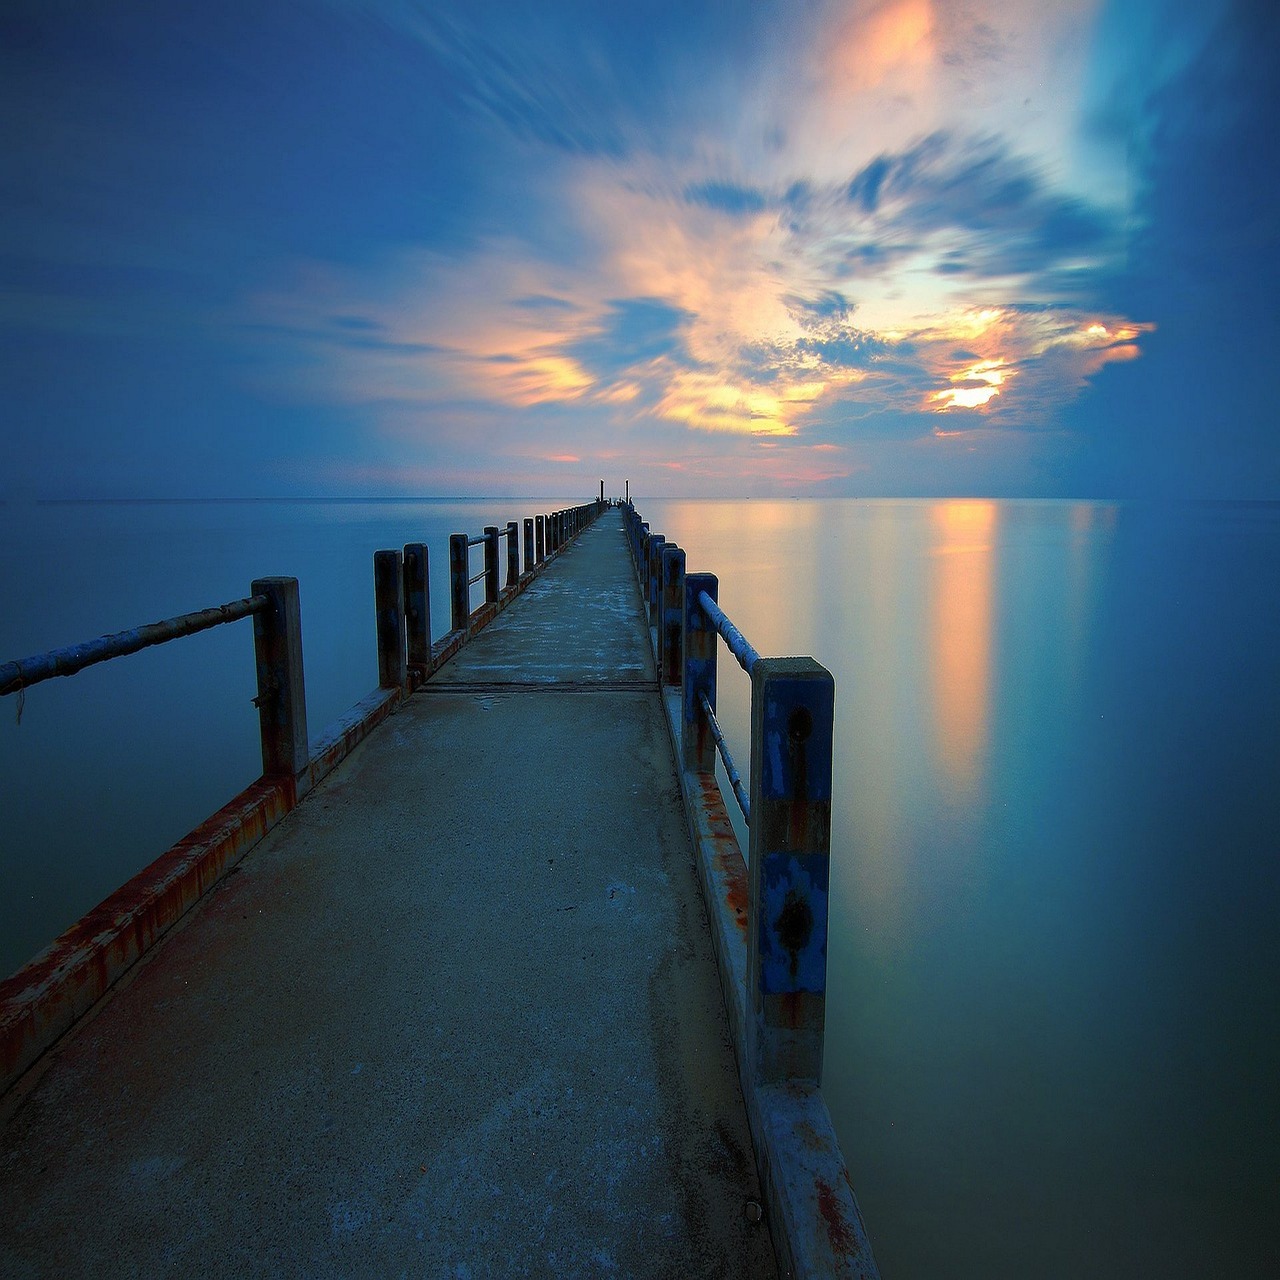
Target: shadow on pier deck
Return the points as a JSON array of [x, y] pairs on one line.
[[458, 1014]]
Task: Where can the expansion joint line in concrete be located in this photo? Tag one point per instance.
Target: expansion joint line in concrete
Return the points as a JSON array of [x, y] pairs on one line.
[[541, 686]]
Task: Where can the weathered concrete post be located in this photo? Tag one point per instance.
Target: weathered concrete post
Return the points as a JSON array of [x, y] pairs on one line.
[[789, 867], [602, 493], [627, 497], [282, 702], [417, 607], [459, 587], [653, 594], [540, 537], [491, 563], [528, 544], [513, 553], [672, 612], [698, 746], [388, 590]]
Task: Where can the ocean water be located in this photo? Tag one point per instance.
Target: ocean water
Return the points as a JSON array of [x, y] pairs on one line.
[[1054, 985]]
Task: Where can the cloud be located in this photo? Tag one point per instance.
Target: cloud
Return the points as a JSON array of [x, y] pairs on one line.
[[1008, 219], [634, 331], [728, 197], [830, 291]]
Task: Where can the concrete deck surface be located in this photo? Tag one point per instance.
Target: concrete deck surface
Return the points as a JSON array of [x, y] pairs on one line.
[[457, 1016]]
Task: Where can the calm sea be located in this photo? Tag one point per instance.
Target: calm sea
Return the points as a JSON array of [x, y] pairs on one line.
[[1054, 1013]]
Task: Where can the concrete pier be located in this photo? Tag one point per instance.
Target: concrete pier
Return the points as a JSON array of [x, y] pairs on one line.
[[457, 1015]]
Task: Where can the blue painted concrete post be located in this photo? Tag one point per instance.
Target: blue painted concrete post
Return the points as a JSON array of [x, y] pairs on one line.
[[672, 612], [540, 537], [459, 588], [282, 702], [653, 593], [528, 544], [513, 553], [789, 867], [698, 747], [417, 607], [388, 590], [491, 563]]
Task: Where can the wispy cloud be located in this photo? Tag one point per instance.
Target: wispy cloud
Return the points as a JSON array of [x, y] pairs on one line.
[[950, 277]]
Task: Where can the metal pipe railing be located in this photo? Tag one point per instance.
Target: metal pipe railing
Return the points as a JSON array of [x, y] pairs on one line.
[[277, 636], [25, 672], [738, 645], [735, 778]]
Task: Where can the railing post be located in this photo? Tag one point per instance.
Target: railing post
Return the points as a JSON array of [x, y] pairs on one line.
[[697, 746], [282, 702], [417, 607], [491, 563], [789, 867], [513, 553], [459, 587], [388, 591], [540, 536], [672, 612], [528, 544], [653, 580]]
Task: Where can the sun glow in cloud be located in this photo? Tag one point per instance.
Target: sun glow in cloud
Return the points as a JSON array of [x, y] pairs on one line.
[[974, 387]]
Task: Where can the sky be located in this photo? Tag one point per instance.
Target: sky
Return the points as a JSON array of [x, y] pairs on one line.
[[344, 248]]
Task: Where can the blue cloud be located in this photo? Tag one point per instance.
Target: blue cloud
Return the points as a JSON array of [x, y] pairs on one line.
[[1196, 415], [544, 302], [865, 187], [1012, 221], [830, 304], [635, 332], [727, 197]]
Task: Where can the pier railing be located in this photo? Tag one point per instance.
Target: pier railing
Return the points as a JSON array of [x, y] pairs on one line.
[[40, 1001], [544, 535], [786, 800], [767, 904]]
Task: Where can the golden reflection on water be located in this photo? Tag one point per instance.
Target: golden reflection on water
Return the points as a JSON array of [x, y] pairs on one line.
[[960, 638]]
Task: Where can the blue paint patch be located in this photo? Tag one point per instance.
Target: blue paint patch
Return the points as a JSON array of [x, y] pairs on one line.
[[799, 721], [794, 890], [702, 677]]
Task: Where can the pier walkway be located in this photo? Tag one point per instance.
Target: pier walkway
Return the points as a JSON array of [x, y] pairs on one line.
[[457, 1015]]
